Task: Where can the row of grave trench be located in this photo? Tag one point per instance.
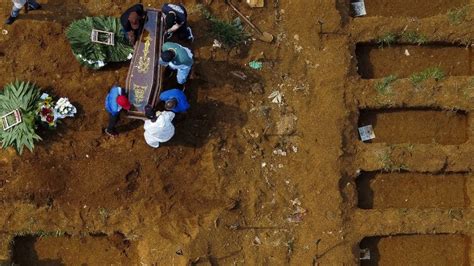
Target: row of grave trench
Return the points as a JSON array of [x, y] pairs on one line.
[[416, 163]]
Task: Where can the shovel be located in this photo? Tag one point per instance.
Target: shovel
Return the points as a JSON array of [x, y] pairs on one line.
[[263, 36]]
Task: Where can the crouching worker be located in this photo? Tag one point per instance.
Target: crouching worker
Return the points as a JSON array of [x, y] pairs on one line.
[[158, 127], [132, 22], [176, 21], [175, 100], [177, 58], [114, 103]]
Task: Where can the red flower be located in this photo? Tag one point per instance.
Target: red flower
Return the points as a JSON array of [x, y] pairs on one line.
[[45, 111], [49, 118]]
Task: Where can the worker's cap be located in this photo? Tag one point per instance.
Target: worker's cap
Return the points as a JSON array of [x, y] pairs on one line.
[[124, 102], [170, 20]]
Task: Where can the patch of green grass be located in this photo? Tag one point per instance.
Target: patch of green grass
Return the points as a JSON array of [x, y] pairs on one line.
[[229, 33], [457, 16], [468, 90], [388, 165], [104, 214], [387, 39], [386, 160], [385, 85], [413, 37], [435, 73]]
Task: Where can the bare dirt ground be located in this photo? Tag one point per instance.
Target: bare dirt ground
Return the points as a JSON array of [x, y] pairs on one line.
[[246, 181]]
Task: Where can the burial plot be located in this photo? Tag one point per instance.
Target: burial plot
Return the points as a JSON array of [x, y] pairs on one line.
[[379, 190], [414, 8], [417, 126], [65, 250], [441, 249], [403, 60]]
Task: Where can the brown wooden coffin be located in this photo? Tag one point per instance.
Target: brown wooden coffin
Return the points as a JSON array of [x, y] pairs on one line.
[[144, 79]]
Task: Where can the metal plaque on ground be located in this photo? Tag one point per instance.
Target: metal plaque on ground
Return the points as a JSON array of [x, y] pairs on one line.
[[359, 8], [144, 75], [366, 133]]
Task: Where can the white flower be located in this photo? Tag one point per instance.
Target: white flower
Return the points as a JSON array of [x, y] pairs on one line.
[[129, 56], [64, 108], [100, 63]]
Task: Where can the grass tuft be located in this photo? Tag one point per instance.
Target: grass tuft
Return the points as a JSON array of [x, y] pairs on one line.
[[388, 165], [435, 73], [385, 85], [229, 33], [387, 39], [457, 16], [104, 214], [413, 37]]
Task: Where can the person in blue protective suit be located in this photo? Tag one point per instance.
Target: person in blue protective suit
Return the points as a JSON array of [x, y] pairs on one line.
[[114, 103], [175, 100]]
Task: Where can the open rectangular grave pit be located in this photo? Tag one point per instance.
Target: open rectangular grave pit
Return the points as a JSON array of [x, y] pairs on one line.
[[88, 250], [381, 190], [403, 60], [415, 9], [441, 249], [417, 126]]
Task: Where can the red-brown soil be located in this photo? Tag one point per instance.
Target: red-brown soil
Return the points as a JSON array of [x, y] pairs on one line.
[[417, 250], [89, 250], [404, 60], [244, 181], [415, 8], [411, 190], [417, 126]]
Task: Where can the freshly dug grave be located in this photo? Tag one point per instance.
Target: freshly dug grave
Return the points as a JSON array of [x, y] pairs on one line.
[[378, 190], [417, 126], [403, 60], [417, 250]]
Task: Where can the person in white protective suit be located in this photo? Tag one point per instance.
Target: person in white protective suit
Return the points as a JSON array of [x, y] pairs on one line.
[[158, 127]]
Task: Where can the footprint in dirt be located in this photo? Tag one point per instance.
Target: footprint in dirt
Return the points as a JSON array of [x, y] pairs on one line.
[[131, 179], [62, 11]]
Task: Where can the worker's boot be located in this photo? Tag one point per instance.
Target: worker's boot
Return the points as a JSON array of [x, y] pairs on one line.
[[33, 5], [111, 132], [10, 20]]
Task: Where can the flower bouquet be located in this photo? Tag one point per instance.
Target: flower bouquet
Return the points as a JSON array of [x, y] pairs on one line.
[[46, 112], [50, 112], [64, 108], [22, 108]]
